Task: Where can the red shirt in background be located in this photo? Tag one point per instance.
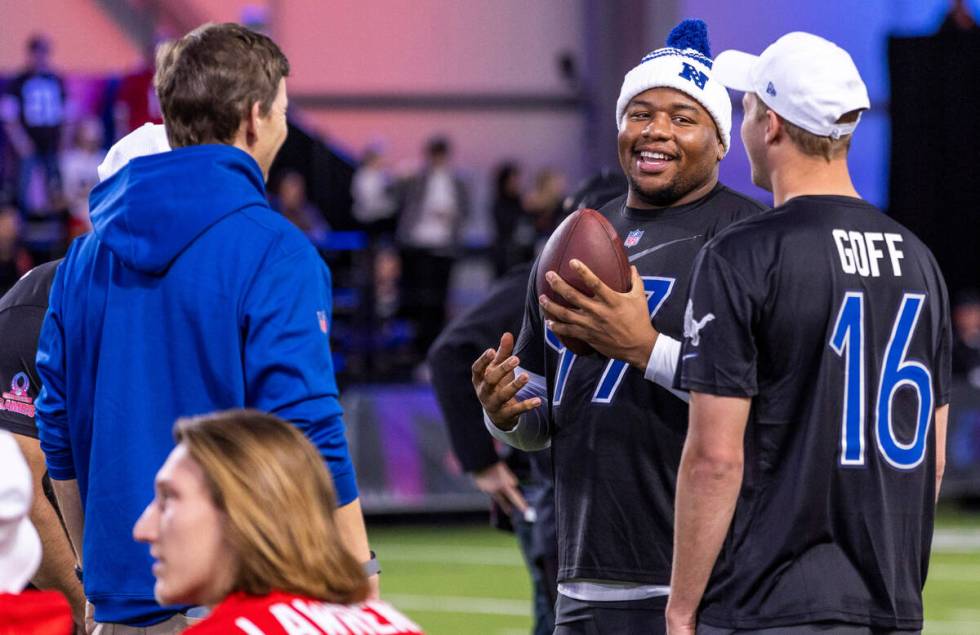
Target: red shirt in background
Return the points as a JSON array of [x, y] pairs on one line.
[[35, 613], [137, 93], [287, 614]]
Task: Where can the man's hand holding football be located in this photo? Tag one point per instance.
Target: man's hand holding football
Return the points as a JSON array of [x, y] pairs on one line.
[[617, 325], [497, 384]]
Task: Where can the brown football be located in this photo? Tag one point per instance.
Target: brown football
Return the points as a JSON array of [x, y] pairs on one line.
[[585, 235]]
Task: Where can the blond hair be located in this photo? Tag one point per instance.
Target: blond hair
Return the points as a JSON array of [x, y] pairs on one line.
[[808, 143], [279, 504]]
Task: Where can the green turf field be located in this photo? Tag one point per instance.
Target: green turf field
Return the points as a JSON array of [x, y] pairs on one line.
[[471, 580], [952, 596], [455, 580]]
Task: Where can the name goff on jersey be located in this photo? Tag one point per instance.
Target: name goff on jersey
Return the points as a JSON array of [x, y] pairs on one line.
[[860, 254]]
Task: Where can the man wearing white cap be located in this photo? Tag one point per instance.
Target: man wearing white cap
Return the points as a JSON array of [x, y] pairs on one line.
[[614, 428], [817, 353]]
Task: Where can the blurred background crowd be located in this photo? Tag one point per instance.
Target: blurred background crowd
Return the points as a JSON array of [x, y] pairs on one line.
[[393, 235]]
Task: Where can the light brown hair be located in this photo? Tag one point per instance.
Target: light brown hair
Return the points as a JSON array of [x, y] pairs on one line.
[[810, 144], [208, 80], [279, 503]]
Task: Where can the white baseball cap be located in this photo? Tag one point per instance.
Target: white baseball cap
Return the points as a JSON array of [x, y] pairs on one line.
[[20, 547], [150, 138], [806, 79]]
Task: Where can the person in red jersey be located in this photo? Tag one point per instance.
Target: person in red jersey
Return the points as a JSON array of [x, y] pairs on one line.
[[243, 521], [22, 612]]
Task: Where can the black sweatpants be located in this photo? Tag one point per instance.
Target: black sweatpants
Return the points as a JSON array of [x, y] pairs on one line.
[[642, 617]]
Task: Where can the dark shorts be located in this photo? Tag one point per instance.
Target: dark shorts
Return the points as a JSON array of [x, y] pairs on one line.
[[575, 617], [820, 628]]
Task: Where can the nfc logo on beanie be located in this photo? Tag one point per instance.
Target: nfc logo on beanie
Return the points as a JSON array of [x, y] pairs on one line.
[[693, 74]]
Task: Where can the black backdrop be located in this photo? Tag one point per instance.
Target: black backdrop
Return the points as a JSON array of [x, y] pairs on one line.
[[934, 186]]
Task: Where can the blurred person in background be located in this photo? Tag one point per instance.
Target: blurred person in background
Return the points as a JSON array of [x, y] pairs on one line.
[[387, 273], [79, 173], [290, 201], [966, 336], [374, 207], [958, 19], [516, 231], [23, 612], [433, 204], [136, 101], [44, 231], [371, 189], [597, 190], [203, 313], [244, 522], [15, 260], [34, 116], [544, 201]]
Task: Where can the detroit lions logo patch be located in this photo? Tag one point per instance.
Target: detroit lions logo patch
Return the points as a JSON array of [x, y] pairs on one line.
[[692, 327]]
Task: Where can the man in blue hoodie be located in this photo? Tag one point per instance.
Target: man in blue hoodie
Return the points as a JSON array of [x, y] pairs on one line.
[[191, 295]]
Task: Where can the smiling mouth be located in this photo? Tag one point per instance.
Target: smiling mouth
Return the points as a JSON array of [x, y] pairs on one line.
[[650, 162]]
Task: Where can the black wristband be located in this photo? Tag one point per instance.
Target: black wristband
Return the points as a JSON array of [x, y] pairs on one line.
[[372, 566]]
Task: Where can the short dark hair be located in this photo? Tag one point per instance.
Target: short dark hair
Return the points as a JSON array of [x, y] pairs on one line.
[[504, 172], [38, 43], [208, 80], [437, 146]]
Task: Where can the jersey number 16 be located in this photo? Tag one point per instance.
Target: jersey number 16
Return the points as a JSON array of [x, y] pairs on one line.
[[896, 371]]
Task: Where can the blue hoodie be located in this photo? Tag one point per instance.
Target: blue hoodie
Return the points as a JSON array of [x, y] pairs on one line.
[[190, 296]]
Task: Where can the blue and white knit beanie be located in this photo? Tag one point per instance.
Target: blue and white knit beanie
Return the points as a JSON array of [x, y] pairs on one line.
[[684, 65]]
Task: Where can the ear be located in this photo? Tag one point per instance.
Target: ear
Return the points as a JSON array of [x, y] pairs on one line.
[[252, 123], [720, 148], [774, 127]]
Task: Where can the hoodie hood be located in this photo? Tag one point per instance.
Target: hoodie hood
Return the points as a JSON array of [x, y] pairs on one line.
[[152, 209]]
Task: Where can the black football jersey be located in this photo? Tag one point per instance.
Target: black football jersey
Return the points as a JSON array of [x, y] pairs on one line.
[[617, 437], [41, 100], [22, 312], [834, 320]]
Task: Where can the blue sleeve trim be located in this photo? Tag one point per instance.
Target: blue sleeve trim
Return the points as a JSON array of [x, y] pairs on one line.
[[58, 469], [52, 411], [346, 485], [329, 438]]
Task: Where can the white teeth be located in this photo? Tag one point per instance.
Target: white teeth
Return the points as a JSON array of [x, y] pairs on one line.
[[654, 156]]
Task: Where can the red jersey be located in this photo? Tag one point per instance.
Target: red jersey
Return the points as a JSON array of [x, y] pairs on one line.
[[287, 614], [137, 92], [35, 613]]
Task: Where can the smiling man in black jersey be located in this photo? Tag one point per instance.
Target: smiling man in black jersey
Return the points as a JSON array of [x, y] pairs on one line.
[[614, 427], [817, 353]]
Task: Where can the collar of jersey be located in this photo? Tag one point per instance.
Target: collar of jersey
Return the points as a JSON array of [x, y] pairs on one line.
[[668, 212]]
